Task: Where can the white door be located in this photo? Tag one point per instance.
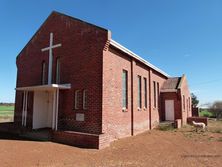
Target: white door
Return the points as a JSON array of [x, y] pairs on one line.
[[42, 110], [169, 110]]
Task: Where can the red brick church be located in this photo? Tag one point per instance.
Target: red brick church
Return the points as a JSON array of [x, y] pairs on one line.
[[89, 90]]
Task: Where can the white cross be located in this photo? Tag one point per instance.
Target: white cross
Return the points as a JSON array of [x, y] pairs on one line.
[[51, 46]]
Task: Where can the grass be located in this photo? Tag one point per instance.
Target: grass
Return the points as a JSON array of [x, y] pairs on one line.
[[6, 113], [6, 108], [205, 113], [212, 133], [215, 126]]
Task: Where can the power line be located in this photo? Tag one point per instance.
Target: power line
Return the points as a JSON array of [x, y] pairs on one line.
[[207, 82]]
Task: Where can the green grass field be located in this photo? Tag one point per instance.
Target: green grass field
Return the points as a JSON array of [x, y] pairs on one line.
[[6, 113], [6, 108], [205, 113]]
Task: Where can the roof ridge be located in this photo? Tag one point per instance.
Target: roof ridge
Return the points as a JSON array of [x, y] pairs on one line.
[[74, 18]]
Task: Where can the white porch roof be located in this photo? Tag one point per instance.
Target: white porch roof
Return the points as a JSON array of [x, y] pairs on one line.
[[50, 87]]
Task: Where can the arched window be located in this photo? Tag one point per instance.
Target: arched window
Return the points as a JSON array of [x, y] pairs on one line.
[[57, 71], [85, 99], [77, 99], [43, 73]]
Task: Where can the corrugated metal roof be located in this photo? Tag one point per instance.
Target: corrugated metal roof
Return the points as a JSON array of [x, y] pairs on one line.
[[171, 83]]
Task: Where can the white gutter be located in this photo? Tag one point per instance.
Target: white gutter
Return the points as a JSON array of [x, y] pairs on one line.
[[129, 52]]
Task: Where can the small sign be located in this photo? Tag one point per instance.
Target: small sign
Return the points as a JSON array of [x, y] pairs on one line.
[[80, 117]]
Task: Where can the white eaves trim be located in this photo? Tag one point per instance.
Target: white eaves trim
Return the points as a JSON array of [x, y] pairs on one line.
[[50, 87], [129, 52]]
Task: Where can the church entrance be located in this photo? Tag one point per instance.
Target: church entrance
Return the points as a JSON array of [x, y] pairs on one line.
[[42, 109], [45, 105]]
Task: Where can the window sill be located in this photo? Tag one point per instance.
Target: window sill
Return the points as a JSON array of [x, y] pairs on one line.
[[124, 110], [80, 109]]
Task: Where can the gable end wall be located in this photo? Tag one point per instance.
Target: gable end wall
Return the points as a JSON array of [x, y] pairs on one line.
[[81, 65]]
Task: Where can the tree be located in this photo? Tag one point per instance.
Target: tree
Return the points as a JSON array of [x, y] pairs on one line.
[[216, 109], [195, 101]]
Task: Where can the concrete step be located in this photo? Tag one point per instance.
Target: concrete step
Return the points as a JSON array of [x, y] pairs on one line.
[[39, 135]]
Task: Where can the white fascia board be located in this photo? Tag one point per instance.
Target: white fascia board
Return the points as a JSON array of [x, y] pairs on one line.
[[129, 52], [62, 86], [50, 87]]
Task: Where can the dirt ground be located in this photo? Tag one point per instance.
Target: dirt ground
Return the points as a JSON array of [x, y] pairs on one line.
[[182, 147]]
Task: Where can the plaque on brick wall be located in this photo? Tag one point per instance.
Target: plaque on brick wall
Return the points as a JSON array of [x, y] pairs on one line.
[[80, 117]]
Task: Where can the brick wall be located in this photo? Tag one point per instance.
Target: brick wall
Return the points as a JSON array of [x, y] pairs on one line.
[[182, 111], [156, 111], [177, 103], [116, 122], [80, 139], [140, 115], [81, 65], [186, 109]]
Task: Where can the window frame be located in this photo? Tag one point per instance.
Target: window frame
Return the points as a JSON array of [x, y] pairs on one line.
[[43, 74], [84, 98], [184, 101], [158, 93], [125, 90], [154, 94], [57, 79], [145, 93], [77, 94], [189, 104], [139, 90]]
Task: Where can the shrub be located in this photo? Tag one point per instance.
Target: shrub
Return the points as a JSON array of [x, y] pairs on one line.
[[206, 115]]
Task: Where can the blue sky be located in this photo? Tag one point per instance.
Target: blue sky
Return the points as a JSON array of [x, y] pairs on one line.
[[177, 36]]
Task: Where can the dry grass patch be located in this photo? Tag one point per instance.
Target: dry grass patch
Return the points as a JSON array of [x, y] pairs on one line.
[[213, 132]]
